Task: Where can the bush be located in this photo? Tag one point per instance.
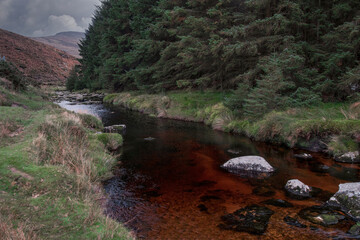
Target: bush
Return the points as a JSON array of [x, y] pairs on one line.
[[11, 73]]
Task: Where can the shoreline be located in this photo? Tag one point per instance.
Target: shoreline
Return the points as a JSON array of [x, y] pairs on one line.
[[303, 129]]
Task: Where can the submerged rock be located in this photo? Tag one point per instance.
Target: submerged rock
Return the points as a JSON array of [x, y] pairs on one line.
[[350, 157], [355, 230], [249, 166], [293, 222], [234, 151], [321, 215], [304, 156], [298, 189], [263, 191], [348, 199], [253, 219], [149, 139], [278, 203]]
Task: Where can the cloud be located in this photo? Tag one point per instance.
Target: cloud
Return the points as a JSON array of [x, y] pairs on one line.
[[46, 17], [57, 24]]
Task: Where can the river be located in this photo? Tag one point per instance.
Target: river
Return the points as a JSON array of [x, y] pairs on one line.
[[172, 187]]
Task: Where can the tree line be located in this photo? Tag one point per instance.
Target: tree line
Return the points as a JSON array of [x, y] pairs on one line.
[[271, 53]]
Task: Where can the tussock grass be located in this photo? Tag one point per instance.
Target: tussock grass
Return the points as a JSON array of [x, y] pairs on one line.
[[62, 140], [22, 231]]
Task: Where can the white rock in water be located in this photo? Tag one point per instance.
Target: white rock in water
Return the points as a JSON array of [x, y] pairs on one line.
[[249, 163], [350, 157], [298, 188]]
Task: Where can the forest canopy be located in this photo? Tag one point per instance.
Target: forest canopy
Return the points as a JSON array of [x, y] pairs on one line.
[[271, 52]]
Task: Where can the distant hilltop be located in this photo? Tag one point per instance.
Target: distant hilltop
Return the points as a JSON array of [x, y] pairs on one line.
[[39, 62], [66, 41]]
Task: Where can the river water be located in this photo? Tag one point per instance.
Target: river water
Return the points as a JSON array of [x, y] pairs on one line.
[[172, 187]]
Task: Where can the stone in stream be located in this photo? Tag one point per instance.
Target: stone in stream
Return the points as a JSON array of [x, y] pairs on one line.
[[322, 215], [304, 156], [355, 230], [263, 191], [253, 219], [121, 128], [278, 203], [234, 151], [348, 199], [249, 166], [297, 189], [350, 157], [293, 222], [149, 139]]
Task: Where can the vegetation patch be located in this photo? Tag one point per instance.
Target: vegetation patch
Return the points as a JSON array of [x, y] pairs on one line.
[[112, 141]]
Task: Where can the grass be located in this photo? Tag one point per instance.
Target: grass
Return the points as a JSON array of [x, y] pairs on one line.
[[291, 127], [50, 173]]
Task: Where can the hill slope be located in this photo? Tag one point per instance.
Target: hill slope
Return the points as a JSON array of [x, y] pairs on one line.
[[66, 41], [39, 62]]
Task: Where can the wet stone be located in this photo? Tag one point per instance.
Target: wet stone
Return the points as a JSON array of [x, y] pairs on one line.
[[202, 208], [253, 219], [293, 222], [234, 151], [278, 203], [355, 230], [321, 215], [303, 156]]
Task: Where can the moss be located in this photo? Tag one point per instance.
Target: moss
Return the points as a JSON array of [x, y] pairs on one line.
[[112, 141], [110, 98]]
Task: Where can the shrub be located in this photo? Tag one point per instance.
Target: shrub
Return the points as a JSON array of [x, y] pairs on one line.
[[11, 73]]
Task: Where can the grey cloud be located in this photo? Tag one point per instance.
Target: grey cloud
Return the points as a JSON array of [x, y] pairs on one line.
[[46, 17]]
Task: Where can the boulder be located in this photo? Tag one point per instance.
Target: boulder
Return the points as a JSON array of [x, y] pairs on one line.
[[297, 189], [355, 230], [253, 219], [248, 163], [348, 199], [350, 157]]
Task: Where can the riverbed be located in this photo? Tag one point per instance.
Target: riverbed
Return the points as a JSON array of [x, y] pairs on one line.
[[168, 183]]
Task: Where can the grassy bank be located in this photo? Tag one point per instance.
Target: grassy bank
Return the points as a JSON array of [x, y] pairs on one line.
[[51, 165], [329, 127]]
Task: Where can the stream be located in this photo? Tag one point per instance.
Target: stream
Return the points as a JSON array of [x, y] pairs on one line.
[[172, 186]]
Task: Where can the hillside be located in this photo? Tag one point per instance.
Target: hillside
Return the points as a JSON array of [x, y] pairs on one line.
[[65, 41], [41, 63]]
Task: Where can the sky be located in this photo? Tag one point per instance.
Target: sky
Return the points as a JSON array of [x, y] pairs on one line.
[[36, 18]]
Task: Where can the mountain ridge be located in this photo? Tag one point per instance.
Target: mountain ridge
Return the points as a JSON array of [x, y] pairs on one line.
[[40, 63]]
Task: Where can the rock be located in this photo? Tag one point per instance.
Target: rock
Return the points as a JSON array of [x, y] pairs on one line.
[[263, 191], [121, 128], [304, 156], [278, 203], [234, 151], [252, 219], [202, 208], [348, 199], [350, 157], [355, 230], [149, 139], [249, 166], [293, 222], [321, 215], [298, 189]]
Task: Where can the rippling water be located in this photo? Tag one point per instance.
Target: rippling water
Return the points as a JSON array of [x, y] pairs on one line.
[[173, 188]]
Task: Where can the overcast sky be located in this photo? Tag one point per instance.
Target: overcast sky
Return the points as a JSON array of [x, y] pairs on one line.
[[46, 17]]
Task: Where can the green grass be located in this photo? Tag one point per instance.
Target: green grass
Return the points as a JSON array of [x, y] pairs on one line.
[[50, 204]]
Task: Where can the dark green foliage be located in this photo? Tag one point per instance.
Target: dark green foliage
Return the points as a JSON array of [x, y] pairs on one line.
[[279, 52], [74, 82], [11, 73]]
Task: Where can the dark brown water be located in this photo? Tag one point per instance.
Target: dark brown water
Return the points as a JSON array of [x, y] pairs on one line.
[[173, 187]]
